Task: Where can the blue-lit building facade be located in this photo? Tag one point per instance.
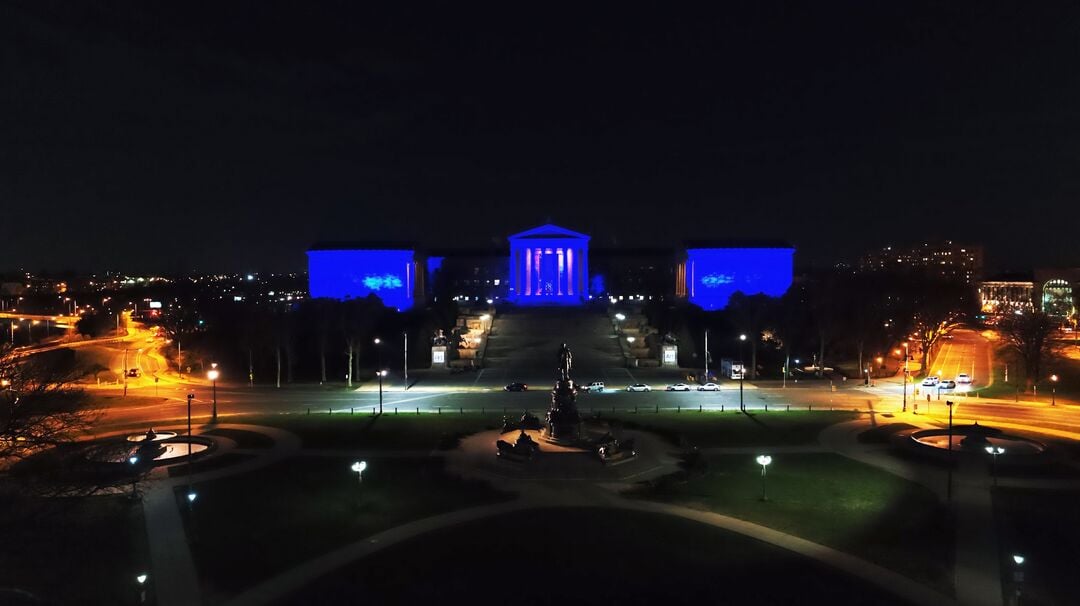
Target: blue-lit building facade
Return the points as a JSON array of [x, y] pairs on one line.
[[550, 265], [710, 273], [344, 271]]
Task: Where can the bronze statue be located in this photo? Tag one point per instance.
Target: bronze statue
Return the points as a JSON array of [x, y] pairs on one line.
[[566, 361]]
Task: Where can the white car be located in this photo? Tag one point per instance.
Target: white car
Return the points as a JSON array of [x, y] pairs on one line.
[[638, 387], [963, 378], [708, 387], [947, 384], [678, 387], [595, 386], [930, 381]]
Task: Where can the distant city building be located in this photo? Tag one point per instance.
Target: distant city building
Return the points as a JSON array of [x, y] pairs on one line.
[[945, 260], [549, 265], [1052, 291]]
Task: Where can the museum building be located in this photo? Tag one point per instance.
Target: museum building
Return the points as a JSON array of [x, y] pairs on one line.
[[549, 265]]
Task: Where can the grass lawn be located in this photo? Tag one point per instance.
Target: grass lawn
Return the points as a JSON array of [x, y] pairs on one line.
[[246, 528], [1043, 526], [587, 556], [74, 550], [827, 499], [709, 429], [387, 432]]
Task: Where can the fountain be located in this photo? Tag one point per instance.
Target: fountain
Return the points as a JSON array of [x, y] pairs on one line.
[[974, 439]]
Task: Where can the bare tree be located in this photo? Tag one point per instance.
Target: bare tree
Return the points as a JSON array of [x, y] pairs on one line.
[[1028, 336], [40, 406]]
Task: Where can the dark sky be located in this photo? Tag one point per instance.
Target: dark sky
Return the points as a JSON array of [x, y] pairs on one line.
[[231, 135]]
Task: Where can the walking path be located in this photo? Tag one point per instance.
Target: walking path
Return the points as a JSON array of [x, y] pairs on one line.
[[173, 570]]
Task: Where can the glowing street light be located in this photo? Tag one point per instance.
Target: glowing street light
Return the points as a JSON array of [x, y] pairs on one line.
[[359, 467], [764, 461], [381, 374], [631, 340], [141, 580], [994, 451], [1053, 389], [134, 460], [213, 375], [742, 407], [1018, 559]]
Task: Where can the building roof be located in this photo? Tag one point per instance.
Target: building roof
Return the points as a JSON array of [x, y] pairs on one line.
[[549, 230]]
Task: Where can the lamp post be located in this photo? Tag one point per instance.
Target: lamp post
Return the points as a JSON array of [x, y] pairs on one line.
[[133, 461], [948, 486], [141, 583], [381, 373], [906, 356], [742, 376], [213, 376], [359, 467], [1053, 390], [405, 366], [706, 355], [764, 461], [994, 452], [1018, 575], [191, 493]]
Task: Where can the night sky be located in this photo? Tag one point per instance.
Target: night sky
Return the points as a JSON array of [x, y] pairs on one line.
[[232, 135]]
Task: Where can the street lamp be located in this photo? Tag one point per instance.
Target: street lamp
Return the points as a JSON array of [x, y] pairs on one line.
[[948, 486], [213, 376], [1018, 575], [994, 452], [191, 494], [764, 461], [133, 460], [381, 373], [1053, 389], [742, 376], [906, 356], [359, 468], [141, 580], [630, 340]]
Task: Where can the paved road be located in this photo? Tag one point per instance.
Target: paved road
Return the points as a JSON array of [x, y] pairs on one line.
[[966, 351]]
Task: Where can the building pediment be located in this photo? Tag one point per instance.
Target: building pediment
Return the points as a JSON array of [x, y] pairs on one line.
[[549, 231]]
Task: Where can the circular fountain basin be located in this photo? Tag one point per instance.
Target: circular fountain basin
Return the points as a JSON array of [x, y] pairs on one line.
[[976, 439], [159, 436], [168, 449]]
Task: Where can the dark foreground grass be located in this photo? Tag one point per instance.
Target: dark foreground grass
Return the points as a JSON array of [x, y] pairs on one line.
[[84, 550], [1044, 527], [718, 429], [246, 528], [587, 556], [830, 500]]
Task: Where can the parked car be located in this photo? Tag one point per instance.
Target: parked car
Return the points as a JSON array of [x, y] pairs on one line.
[[517, 387], [931, 381], [963, 378], [708, 387], [947, 384], [678, 387], [595, 386], [133, 372], [638, 387]]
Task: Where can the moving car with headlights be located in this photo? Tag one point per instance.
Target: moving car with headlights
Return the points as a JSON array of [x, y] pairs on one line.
[[638, 387], [963, 378], [708, 387], [678, 387], [931, 381], [517, 387], [595, 386], [947, 384]]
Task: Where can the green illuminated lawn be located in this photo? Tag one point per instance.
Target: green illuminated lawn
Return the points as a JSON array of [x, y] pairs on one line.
[[717, 429], [827, 499], [387, 432], [250, 526]]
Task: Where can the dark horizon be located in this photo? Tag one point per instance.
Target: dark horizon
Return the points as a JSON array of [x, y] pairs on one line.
[[184, 138]]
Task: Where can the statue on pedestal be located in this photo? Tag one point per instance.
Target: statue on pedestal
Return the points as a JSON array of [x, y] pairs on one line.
[[563, 420]]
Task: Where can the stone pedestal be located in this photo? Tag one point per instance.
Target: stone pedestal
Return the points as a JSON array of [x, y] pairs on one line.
[[438, 356], [669, 356], [563, 420]]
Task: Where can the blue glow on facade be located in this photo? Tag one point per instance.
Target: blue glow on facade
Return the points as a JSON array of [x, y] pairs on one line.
[[434, 264], [549, 265], [714, 274], [355, 274]]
